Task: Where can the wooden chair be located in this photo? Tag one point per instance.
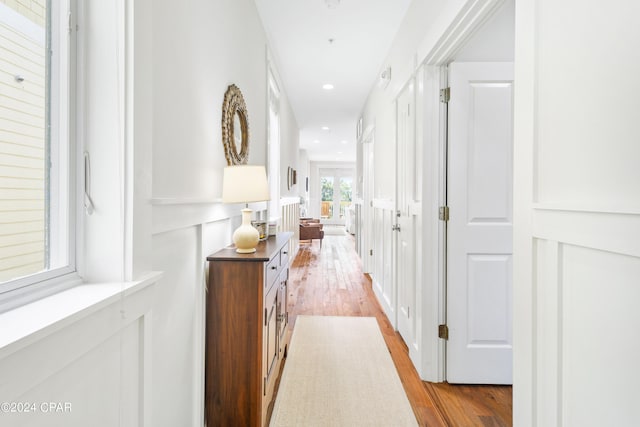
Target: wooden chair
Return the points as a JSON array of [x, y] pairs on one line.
[[311, 230]]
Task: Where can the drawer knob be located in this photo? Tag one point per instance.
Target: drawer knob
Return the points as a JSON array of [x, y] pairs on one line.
[[273, 267], [285, 252]]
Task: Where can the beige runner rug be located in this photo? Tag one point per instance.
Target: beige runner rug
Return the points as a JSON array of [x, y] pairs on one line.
[[339, 373]]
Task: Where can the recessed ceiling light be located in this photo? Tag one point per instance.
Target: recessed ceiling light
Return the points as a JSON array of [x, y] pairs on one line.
[[325, 128], [344, 142], [327, 86], [339, 152], [315, 141]]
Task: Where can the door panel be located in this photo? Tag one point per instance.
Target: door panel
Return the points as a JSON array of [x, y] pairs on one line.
[[479, 258], [489, 299], [382, 275], [406, 198]]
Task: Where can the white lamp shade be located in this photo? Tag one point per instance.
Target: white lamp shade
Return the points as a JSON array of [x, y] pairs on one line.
[[245, 184]]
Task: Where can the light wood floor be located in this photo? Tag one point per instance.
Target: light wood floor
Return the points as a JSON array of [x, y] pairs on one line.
[[329, 281]]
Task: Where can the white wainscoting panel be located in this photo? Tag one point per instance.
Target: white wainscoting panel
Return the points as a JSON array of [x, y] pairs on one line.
[[586, 319], [382, 275], [290, 221], [600, 324], [89, 369]]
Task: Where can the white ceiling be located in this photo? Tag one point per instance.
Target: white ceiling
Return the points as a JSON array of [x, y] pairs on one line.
[[299, 33]]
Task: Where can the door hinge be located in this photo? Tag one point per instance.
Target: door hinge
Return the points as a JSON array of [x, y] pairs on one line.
[[445, 95], [443, 332], [443, 213], [264, 386], [265, 317]]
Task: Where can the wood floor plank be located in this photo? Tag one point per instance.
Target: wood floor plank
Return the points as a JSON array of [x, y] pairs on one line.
[[333, 278], [328, 281]]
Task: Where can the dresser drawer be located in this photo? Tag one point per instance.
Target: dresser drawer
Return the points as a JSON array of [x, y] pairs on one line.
[[272, 271], [284, 257]]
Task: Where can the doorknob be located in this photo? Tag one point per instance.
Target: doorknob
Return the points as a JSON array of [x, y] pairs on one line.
[[395, 228]]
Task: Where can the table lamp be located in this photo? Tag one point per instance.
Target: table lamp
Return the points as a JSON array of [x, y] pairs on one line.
[[245, 184]]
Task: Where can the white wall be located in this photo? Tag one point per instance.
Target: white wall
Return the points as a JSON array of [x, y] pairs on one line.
[[303, 175], [200, 48], [577, 213], [289, 148], [155, 75], [494, 42], [423, 25], [198, 51]]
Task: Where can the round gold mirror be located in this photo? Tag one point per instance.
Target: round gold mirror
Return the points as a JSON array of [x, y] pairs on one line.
[[235, 127]]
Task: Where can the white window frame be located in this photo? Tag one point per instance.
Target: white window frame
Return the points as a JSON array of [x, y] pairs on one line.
[[273, 131], [61, 153]]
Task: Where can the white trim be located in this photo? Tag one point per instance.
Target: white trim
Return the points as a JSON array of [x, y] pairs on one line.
[[199, 332], [180, 214], [169, 201], [274, 142], [587, 207], [576, 228], [472, 15], [30, 288], [39, 319], [83, 319], [524, 293], [368, 135]]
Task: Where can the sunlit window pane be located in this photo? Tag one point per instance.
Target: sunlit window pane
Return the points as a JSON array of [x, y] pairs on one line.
[[34, 144]]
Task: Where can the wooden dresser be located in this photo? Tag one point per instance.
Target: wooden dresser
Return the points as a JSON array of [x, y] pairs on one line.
[[246, 332]]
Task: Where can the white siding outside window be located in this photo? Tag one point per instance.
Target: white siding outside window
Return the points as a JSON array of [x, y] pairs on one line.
[[35, 146], [22, 145]]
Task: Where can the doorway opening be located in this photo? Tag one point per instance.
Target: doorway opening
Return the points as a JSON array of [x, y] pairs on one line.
[[336, 196]]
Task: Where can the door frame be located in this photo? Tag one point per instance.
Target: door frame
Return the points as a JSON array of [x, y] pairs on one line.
[[337, 173], [433, 129], [368, 190]]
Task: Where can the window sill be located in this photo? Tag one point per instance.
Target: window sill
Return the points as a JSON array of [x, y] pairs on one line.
[[29, 323]]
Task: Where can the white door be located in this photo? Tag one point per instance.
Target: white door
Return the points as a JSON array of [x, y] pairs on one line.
[[335, 195], [479, 240], [406, 218]]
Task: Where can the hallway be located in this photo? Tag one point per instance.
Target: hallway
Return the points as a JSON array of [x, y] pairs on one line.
[[329, 281]]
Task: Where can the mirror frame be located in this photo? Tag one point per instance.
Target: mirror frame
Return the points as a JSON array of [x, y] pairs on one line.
[[233, 105]]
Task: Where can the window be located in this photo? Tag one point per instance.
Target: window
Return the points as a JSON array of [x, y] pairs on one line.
[[274, 147], [36, 155]]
